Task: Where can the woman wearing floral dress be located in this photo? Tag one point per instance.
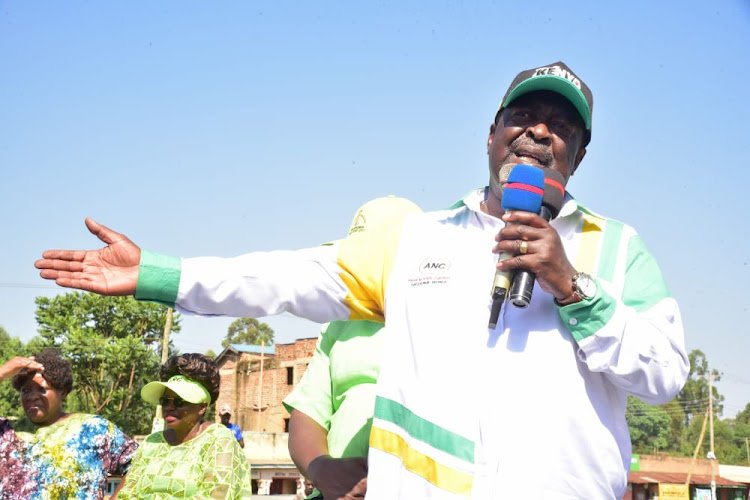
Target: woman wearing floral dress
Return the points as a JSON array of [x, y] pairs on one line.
[[50, 453]]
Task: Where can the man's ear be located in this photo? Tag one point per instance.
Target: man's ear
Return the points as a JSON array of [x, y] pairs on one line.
[[579, 158], [203, 409], [491, 137]]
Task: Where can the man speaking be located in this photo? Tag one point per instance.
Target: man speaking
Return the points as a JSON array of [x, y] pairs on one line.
[[533, 407]]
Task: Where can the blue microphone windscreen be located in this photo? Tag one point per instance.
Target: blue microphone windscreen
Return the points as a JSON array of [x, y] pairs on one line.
[[524, 189]]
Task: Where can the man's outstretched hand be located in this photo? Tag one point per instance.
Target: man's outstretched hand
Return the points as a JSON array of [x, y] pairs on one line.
[[112, 270]]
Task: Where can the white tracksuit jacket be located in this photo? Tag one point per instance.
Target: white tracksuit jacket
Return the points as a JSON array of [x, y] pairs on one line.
[[532, 409]]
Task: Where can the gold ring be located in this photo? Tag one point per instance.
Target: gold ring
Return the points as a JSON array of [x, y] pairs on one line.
[[523, 247]]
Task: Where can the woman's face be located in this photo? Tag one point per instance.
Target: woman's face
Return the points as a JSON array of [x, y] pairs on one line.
[[41, 402], [180, 415]]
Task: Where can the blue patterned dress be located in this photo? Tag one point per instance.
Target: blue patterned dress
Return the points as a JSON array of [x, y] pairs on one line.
[[68, 459]]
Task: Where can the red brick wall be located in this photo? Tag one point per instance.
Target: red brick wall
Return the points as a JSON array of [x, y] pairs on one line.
[[240, 375]]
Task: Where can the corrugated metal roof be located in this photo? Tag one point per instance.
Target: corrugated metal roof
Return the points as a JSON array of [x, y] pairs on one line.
[[642, 477], [253, 349], [735, 472]]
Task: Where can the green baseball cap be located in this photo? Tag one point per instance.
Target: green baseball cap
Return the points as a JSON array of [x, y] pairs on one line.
[[556, 77]]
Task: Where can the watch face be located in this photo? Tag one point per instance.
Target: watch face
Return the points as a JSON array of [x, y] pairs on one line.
[[586, 285]]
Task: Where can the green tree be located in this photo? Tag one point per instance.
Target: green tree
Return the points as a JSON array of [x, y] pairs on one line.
[[10, 403], [725, 448], [694, 396], [676, 439], [650, 428], [112, 343], [248, 331], [741, 425]]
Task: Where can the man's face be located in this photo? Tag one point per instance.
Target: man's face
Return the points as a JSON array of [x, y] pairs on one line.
[[540, 128], [309, 487], [225, 418]]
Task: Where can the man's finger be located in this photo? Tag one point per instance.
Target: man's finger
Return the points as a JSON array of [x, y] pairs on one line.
[[76, 280], [102, 232], [80, 284], [59, 273], [60, 260], [68, 255], [526, 218]]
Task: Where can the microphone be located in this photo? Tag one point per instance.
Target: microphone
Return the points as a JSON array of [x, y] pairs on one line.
[[554, 192], [523, 190]]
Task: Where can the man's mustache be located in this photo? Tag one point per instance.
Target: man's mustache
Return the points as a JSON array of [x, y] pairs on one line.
[[542, 151]]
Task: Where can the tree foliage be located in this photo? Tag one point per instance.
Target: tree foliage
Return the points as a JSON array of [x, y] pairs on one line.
[[113, 344], [675, 427], [248, 331], [10, 403], [694, 396], [650, 429], [741, 433]]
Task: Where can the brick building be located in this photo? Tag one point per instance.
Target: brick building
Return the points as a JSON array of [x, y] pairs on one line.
[[254, 396]]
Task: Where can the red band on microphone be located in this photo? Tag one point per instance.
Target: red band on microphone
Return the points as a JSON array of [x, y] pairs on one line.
[[525, 187], [555, 184]]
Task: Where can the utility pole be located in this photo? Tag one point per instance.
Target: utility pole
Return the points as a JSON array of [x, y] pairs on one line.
[[158, 423], [747, 450], [697, 449]]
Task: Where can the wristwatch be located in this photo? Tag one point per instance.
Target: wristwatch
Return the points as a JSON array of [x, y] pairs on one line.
[[584, 287]]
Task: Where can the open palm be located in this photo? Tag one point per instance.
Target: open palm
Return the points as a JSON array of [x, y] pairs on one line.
[[112, 270]]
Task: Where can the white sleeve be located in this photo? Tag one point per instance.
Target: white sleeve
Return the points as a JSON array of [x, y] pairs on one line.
[[305, 283], [631, 331]]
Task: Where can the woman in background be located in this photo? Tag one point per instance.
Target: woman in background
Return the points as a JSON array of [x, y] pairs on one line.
[[190, 457], [50, 453]]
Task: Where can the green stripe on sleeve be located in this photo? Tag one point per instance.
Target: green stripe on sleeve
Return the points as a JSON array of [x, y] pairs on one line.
[[424, 430], [158, 278], [644, 283], [609, 250], [587, 317]]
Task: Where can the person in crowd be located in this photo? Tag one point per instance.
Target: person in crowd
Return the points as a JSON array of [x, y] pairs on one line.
[[190, 457], [458, 401], [332, 406], [50, 453], [226, 415], [306, 490]]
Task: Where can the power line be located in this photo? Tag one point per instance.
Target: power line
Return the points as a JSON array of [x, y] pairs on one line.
[[26, 285]]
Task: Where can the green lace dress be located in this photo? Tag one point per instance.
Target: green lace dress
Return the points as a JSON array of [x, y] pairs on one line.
[[211, 465]]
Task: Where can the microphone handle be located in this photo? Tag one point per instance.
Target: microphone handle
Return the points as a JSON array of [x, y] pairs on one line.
[[501, 283], [500, 287], [523, 280]]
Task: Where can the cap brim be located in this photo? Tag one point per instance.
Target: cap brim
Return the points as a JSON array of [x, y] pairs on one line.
[[152, 391], [557, 84]]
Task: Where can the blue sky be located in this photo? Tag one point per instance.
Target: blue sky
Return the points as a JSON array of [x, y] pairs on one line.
[[217, 128]]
